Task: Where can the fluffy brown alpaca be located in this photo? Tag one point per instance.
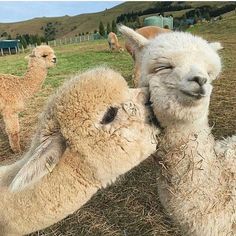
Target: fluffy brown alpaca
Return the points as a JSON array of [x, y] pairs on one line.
[[113, 42], [14, 90], [93, 130]]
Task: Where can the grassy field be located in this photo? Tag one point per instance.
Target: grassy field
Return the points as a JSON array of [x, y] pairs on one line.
[[131, 206]]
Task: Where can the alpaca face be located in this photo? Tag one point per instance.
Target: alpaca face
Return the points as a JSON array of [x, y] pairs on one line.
[[101, 118], [179, 68], [45, 54]]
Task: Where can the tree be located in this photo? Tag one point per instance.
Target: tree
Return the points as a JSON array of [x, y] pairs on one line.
[[23, 41], [113, 27], [138, 23], [38, 40], [101, 29], [196, 19], [207, 16], [49, 32], [108, 28], [125, 20], [4, 34]]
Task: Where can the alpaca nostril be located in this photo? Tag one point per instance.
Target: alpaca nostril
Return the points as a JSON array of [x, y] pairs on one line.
[[54, 59], [200, 80]]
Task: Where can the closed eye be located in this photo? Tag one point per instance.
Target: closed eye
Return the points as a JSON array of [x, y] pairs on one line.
[[44, 56], [162, 68], [109, 116]]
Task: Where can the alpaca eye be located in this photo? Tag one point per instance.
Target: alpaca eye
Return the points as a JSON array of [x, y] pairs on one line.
[[161, 68], [109, 115], [44, 56]]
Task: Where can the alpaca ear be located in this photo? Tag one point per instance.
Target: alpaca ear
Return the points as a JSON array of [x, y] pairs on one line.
[[216, 46], [29, 56], [136, 39], [42, 161]]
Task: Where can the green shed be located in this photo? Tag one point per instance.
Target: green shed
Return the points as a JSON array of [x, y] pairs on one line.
[[9, 46], [163, 22]]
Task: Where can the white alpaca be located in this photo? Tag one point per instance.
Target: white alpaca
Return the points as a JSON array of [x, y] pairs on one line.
[[197, 183], [93, 130]]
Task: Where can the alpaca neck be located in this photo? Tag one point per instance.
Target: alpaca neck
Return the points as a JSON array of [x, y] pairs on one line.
[[182, 132], [57, 195], [34, 77], [185, 148]]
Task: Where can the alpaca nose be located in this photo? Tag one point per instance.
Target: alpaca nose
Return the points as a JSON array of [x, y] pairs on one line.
[[198, 79], [54, 59]]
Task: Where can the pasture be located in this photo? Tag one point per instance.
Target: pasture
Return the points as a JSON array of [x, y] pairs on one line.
[[131, 206]]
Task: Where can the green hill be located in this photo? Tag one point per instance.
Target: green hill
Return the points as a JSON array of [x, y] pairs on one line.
[[72, 25], [69, 26]]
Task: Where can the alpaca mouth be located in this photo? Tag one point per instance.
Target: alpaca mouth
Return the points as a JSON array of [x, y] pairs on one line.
[[151, 116], [154, 121], [197, 95]]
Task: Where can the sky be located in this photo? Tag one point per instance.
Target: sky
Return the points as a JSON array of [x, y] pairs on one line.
[[13, 11]]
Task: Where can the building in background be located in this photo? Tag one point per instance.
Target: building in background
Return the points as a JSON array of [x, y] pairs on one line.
[[9, 46], [160, 21]]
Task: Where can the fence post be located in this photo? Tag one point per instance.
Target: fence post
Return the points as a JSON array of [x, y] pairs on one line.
[[2, 52], [9, 49]]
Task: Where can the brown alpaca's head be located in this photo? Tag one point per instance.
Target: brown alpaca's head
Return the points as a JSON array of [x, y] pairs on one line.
[[45, 55]]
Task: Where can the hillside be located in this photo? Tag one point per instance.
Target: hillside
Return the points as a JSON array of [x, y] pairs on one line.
[[72, 25], [222, 29], [67, 26]]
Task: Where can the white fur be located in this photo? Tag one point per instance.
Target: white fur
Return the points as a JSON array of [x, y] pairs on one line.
[[197, 175]]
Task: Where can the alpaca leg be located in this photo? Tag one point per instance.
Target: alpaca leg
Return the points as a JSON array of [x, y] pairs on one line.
[[12, 129]]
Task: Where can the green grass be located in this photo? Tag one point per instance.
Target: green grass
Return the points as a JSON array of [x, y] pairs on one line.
[[73, 59], [221, 28], [131, 205]]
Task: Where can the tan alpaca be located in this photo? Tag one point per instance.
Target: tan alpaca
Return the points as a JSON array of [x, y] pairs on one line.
[[14, 90], [148, 32], [113, 42], [197, 182], [93, 130]]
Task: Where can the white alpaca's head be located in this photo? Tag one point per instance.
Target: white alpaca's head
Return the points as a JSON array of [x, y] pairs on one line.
[[179, 69]]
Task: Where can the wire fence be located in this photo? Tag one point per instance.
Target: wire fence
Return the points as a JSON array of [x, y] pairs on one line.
[[74, 40], [53, 43]]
